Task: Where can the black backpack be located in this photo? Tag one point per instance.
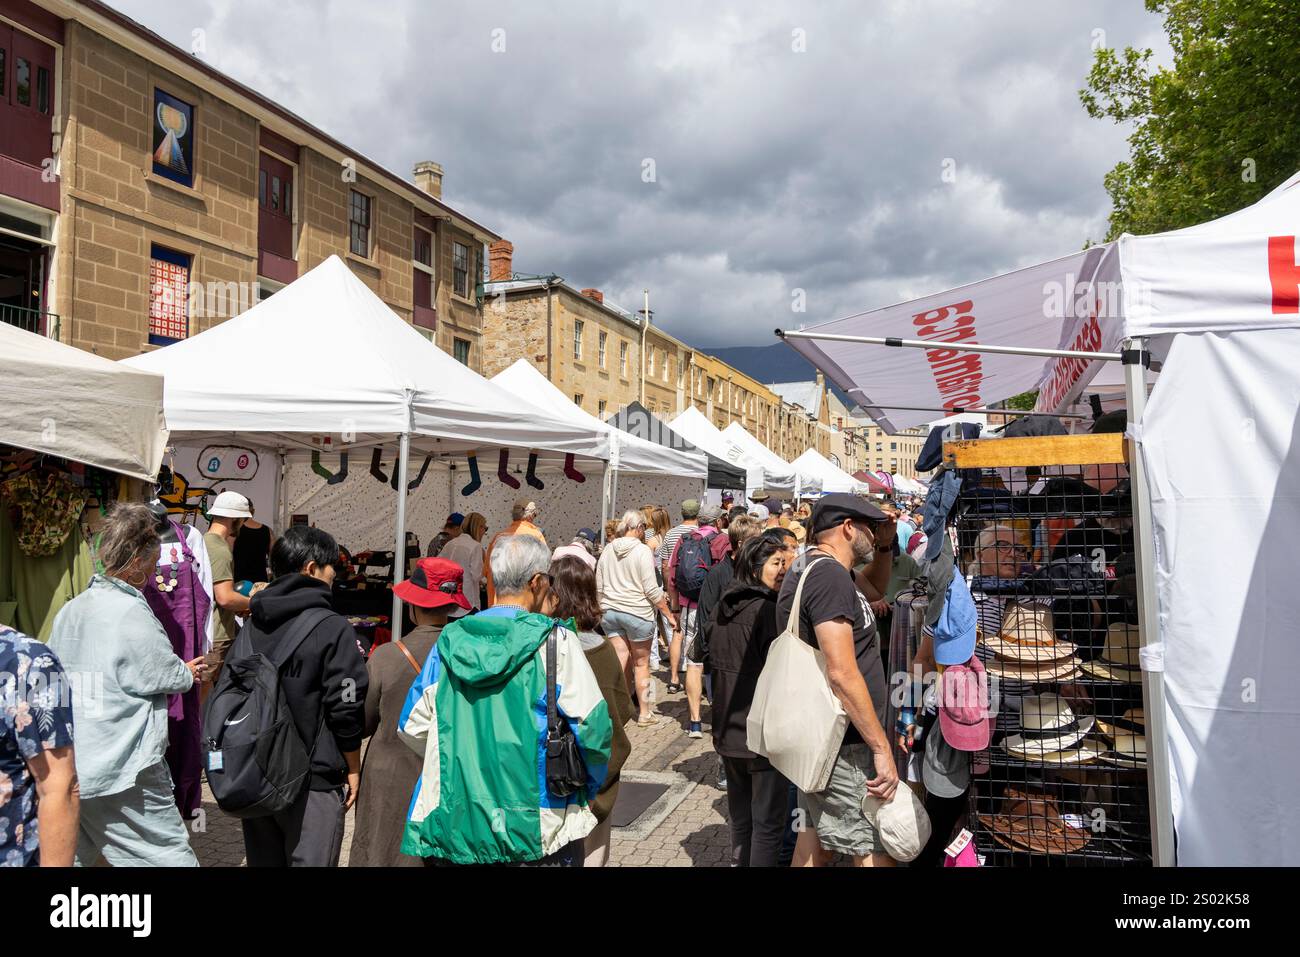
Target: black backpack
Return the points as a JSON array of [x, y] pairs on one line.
[[253, 756], [694, 559]]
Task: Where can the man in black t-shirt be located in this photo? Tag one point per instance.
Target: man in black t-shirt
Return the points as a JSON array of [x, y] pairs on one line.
[[834, 616]]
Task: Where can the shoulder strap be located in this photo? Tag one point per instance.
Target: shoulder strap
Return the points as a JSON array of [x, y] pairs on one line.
[[552, 718], [793, 623], [409, 657], [302, 627]]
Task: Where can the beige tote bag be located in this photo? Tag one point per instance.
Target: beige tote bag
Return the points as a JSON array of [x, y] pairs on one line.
[[795, 720]]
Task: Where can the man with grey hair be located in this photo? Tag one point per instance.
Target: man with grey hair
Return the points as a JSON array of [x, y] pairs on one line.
[[478, 704], [523, 515]]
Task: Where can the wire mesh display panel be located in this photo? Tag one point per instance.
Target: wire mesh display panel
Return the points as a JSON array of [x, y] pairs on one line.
[[1047, 550]]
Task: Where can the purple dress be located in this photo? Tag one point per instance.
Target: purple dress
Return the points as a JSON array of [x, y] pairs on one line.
[[183, 610]]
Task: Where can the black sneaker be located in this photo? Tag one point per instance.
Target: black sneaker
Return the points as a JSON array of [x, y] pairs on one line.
[[722, 775]]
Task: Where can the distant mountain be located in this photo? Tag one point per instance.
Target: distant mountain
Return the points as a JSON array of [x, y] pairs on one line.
[[774, 363]]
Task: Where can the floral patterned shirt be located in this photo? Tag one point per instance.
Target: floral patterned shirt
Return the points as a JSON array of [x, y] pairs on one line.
[[35, 716]]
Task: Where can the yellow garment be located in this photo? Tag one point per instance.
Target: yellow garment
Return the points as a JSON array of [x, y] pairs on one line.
[[521, 527]]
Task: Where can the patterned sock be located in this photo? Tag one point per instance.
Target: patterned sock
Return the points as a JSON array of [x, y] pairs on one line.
[[503, 470], [475, 483], [571, 470], [531, 477]]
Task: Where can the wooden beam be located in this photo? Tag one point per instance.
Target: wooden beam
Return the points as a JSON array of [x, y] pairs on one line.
[[1106, 448]]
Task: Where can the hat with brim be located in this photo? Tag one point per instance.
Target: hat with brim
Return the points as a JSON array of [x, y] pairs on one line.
[[1127, 736], [964, 706], [1048, 724], [1120, 656], [1027, 636], [1030, 821], [901, 824], [435, 583], [230, 505], [945, 771], [1084, 751], [1033, 673]]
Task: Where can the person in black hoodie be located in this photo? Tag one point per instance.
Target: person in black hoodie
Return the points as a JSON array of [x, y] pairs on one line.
[[744, 627], [324, 684]]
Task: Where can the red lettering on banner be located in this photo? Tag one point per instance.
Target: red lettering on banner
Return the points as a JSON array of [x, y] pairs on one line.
[[953, 370], [1284, 275], [1067, 371]]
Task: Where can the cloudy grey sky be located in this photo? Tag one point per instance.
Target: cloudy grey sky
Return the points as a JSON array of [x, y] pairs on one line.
[[794, 146]]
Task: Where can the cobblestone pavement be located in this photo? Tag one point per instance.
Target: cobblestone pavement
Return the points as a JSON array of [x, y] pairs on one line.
[[694, 834]]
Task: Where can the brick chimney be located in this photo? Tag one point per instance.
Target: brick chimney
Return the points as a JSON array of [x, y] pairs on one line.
[[501, 260], [595, 294], [428, 178]]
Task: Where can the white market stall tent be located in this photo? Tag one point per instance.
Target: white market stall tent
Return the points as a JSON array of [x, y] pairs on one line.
[[698, 430], [804, 483], [323, 369], [833, 478], [639, 470], [67, 402], [1216, 469]]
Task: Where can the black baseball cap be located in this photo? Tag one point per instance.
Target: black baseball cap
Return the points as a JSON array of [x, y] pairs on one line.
[[832, 509]]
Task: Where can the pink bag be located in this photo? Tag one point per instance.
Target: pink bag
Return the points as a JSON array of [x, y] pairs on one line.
[[961, 852]]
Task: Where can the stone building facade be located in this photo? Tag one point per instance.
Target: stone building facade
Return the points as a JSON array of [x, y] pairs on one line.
[[156, 197]]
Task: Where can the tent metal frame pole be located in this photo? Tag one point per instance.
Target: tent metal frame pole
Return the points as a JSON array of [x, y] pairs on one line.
[[962, 410], [955, 346], [399, 555], [604, 501], [1153, 682]]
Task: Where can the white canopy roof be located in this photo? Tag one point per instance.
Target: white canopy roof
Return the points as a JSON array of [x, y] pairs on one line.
[[696, 429], [79, 406], [807, 484], [628, 453], [833, 478], [325, 355]]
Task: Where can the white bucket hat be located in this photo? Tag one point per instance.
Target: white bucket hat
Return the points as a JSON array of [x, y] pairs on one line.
[[230, 505], [902, 824]]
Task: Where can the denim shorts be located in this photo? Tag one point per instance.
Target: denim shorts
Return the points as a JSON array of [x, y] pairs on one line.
[[629, 626]]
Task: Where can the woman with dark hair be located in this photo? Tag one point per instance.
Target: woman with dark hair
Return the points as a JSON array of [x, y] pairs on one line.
[[110, 635], [744, 627], [324, 683], [573, 595]]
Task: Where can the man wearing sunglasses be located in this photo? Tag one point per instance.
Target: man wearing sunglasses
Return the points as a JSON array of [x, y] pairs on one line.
[[846, 531]]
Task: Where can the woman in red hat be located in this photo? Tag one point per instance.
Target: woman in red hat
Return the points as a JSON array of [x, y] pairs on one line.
[[434, 594]]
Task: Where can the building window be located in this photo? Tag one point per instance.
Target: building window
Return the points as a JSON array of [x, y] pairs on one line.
[[169, 282], [880, 446], [460, 269], [893, 446], [652, 360], [422, 265], [577, 341], [577, 399], [600, 409], [460, 350], [359, 224], [604, 336], [622, 359], [173, 137]]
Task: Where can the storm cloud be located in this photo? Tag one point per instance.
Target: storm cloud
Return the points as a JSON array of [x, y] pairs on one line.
[[861, 152]]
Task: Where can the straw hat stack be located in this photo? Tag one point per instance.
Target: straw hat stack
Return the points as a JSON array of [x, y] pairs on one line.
[[1027, 649], [1119, 659], [1127, 737], [1031, 821], [1051, 733]]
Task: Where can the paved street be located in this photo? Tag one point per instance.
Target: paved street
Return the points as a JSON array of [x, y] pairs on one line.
[[693, 833]]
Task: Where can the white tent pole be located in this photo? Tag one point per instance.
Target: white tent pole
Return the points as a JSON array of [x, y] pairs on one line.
[[399, 556], [604, 502], [955, 346], [280, 512], [1153, 682]]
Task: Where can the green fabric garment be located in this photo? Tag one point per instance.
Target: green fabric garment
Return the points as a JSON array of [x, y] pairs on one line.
[[40, 586], [904, 571]]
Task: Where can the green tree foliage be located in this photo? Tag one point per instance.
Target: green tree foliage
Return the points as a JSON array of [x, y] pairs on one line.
[[1214, 132]]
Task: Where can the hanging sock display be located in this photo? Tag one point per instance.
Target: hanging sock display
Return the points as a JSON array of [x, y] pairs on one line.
[[414, 483], [571, 470], [331, 478], [503, 470], [375, 470], [531, 477], [475, 483]]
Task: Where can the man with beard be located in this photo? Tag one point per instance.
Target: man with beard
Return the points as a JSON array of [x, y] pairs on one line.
[[835, 617]]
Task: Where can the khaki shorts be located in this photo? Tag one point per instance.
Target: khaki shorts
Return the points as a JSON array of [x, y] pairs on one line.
[[836, 812]]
